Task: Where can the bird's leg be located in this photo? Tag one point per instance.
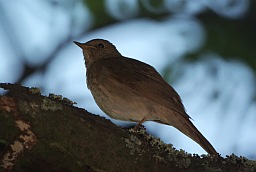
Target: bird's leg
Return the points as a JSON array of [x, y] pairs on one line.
[[139, 123]]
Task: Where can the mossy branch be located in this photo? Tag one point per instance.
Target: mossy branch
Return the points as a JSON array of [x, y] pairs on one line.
[[39, 133]]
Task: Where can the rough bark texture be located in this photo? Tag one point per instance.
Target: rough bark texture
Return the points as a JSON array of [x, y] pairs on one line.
[[39, 133]]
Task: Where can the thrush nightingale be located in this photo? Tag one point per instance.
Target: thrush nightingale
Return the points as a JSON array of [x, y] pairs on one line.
[[130, 90]]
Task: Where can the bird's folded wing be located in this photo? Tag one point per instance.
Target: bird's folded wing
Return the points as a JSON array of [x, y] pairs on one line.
[[144, 80]]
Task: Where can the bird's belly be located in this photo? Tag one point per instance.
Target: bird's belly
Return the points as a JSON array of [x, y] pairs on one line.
[[122, 105]]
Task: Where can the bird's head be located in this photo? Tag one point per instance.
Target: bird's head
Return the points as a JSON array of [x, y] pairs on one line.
[[97, 49]]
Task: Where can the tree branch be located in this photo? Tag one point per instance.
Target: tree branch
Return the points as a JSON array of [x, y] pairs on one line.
[[39, 133]]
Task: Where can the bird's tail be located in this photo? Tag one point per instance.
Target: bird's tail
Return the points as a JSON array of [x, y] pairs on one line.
[[187, 127]]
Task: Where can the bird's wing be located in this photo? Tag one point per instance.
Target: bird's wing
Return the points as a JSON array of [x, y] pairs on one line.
[[144, 80]]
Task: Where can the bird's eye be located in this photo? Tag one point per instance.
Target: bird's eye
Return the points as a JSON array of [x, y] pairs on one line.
[[101, 45]]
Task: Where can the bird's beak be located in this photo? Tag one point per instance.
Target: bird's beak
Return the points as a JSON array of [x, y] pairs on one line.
[[83, 46], [79, 44]]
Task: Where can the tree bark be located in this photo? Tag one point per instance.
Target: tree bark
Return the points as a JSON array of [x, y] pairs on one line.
[[39, 133]]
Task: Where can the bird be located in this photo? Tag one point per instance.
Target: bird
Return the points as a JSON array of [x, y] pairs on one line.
[[130, 90]]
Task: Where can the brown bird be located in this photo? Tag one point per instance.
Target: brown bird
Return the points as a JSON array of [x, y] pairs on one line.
[[130, 90]]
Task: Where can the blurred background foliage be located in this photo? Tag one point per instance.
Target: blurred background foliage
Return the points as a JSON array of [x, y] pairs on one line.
[[231, 37], [37, 50]]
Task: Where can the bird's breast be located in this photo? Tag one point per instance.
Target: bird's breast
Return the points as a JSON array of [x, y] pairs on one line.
[[120, 102]]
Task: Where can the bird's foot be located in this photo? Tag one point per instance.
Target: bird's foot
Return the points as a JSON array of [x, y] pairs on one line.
[[138, 127]]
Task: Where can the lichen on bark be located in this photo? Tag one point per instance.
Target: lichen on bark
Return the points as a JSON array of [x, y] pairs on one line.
[[56, 136]]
